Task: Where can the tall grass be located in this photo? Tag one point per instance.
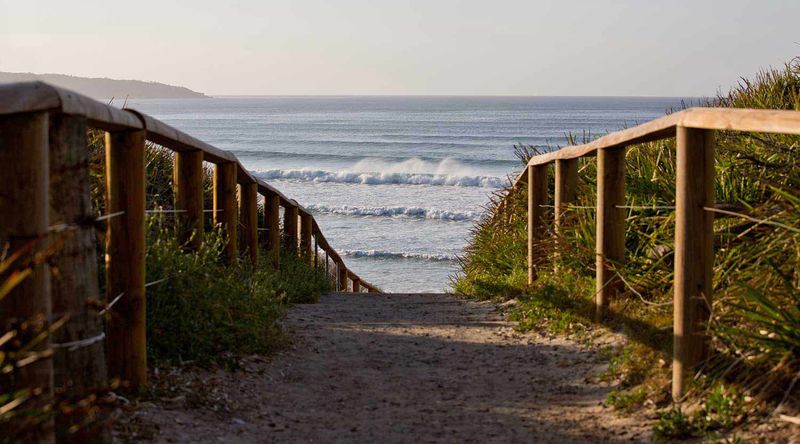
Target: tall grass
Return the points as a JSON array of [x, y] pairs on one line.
[[204, 312], [755, 325], [199, 311]]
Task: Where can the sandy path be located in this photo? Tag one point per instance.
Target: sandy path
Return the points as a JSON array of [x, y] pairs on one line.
[[407, 368]]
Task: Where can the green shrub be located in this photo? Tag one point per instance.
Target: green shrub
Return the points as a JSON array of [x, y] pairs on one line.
[[673, 424], [724, 408], [755, 322], [205, 312], [627, 400]]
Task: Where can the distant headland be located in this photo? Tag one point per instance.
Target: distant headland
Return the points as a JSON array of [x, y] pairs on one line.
[[105, 88]]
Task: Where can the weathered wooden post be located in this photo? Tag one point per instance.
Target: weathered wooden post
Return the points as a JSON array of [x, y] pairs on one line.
[[125, 256], [537, 196], [290, 215], [188, 181], [342, 281], [225, 207], [23, 206], [694, 253], [566, 183], [356, 284], [610, 242], [305, 235], [248, 216], [74, 283], [272, 222], [565, 190]]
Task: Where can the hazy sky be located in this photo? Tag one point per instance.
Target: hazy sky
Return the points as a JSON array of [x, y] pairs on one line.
[[529, 47]]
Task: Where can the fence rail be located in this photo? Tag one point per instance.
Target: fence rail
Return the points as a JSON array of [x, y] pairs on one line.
[[694, 130], [43, 156]]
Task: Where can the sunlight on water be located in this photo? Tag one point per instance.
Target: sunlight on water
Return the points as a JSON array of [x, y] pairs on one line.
[[394, 182]]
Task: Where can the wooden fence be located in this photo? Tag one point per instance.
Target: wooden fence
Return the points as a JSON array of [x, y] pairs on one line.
[[694, 130], [44, 160]]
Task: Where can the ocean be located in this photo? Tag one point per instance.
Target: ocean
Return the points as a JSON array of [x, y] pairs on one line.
[[395, 183]]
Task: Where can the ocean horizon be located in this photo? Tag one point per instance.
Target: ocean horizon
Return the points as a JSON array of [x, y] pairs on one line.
[[396, 182]]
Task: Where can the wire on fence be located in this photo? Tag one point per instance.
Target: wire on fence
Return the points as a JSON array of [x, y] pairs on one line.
[[64, 227], [109, 216], [571, 207], [111, 304], [165, 211], [149, 284], [753, 219], [119, 296], [74, 345], [644, 207], [625, 207]]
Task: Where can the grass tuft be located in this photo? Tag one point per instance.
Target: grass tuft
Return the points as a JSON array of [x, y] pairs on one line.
[[755, 322]]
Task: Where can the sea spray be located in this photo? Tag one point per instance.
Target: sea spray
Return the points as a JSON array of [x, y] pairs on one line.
[[382, 254], [398, 211], [308, 175]]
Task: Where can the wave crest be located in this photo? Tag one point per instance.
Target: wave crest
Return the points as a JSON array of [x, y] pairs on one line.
[[409, 212], [399, 255], [364, 178]]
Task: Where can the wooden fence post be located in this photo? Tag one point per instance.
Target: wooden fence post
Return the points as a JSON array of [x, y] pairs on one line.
[[23, 205], [694, 253], [74, 283], [272, 222], [248, 217], [125, 256], [537, 196], [305, 235], [565, 190], [225, 207], [188, 181], [290, 215], [356, 285], [610, 245], [342, 281]]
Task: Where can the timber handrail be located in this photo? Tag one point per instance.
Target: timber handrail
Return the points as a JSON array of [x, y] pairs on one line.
[[36, 117], [721, 119], [694, 130]]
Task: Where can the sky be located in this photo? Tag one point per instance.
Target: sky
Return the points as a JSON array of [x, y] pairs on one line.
[[432, 47]]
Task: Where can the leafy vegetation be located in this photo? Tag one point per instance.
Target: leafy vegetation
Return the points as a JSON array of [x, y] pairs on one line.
[[755, 323], [722, 409], [204, 312], [198, 310]]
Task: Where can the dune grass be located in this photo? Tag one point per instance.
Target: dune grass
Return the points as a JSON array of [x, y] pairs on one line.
[[755, 323], [203, 311], [206, 313], [199, 311]]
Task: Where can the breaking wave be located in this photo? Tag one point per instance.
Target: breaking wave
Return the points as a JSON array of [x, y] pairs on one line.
[[410, 212], [414, 171], [397, 255], [382, 178]]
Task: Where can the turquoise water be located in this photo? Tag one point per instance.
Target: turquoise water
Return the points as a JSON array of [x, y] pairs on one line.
[[395, 182]]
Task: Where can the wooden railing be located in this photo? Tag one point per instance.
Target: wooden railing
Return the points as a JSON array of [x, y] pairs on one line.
[[694, 130], [43, 138]]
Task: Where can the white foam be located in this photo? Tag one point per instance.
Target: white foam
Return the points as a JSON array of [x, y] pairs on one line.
[[373, 171], [399, 255], [307, 175], [399, 211]]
